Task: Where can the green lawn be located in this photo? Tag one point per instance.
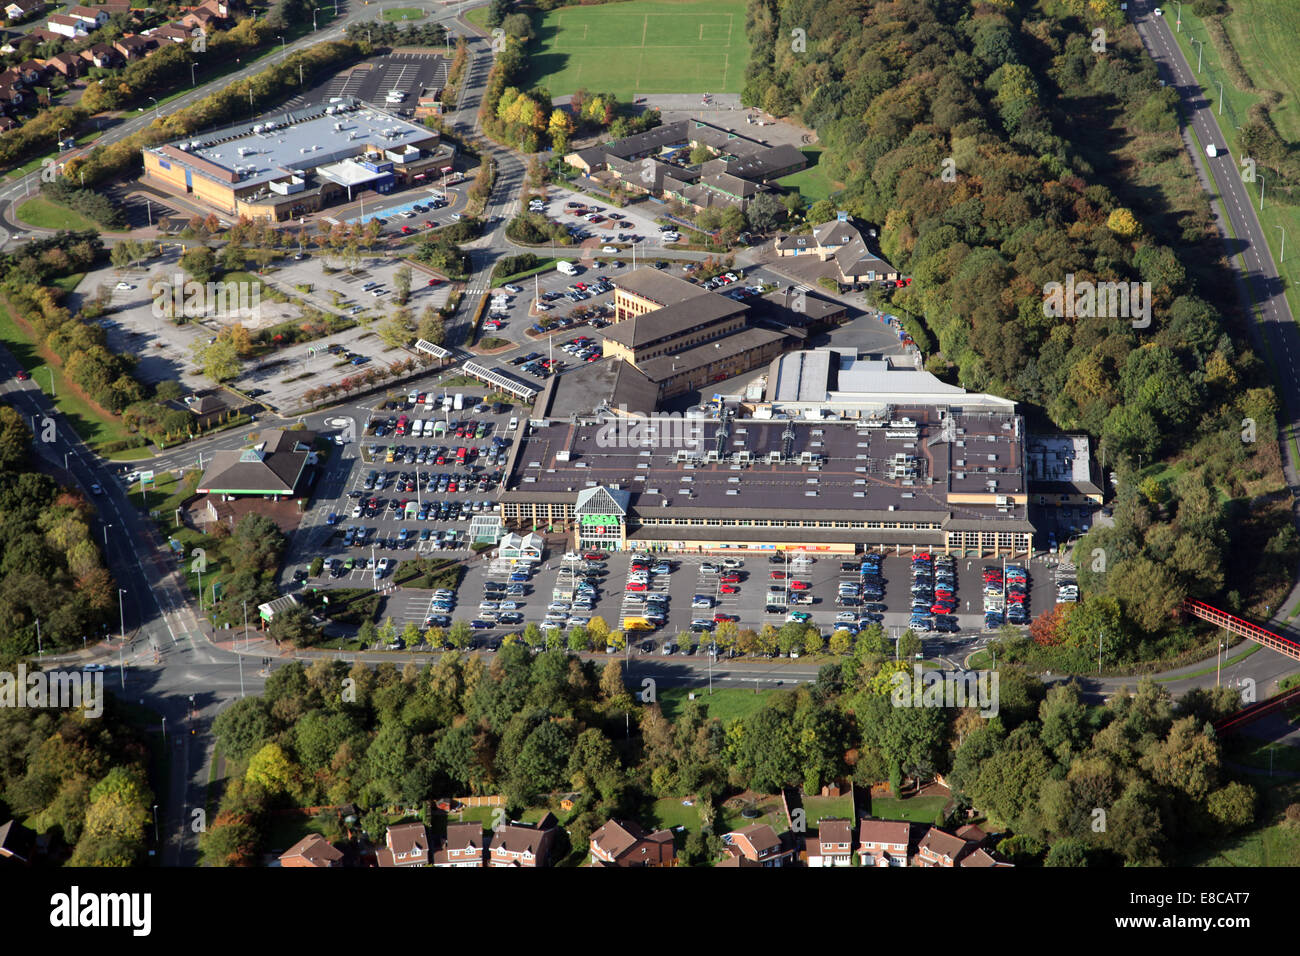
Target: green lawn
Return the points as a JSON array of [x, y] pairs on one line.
[[645, 46], [671, 813], [1258, 30], [813, 183], [406, 13], [94, 427], [915, 809], [43, 214], [727, 704], [1270, 842], [818, 808], [478, 17]]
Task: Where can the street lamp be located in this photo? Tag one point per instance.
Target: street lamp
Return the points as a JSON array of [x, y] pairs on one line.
[[155, 818], [192, 75], [1262, 183], [281, 39], [1220, 82], [1200, 52], [1282, 254], [313, 20], [155, 106]]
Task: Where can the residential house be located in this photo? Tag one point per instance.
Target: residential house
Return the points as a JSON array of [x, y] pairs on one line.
[[94, 17], [832, 845], [7, 123], [67, 26], [883, 842], [135, 47], [522, 844], [22, 9], [982, 858], [42, 35], [938, 848], [170, 32], [312, 851], [16, 842], [620, 843], [32, 72], [406, 845], [101, 55], [464, 846], [210, 15], [68, 64], [759, 844], [11, 97]]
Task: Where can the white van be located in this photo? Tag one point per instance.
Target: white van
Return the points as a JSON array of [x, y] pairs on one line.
[[446, 402], [514, 424], [568, 268], [459, 402]]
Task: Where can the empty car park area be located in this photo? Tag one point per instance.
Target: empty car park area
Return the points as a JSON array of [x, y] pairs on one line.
[[379, 78]]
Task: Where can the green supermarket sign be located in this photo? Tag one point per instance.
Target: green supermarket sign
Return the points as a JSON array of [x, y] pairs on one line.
[[606, 520]]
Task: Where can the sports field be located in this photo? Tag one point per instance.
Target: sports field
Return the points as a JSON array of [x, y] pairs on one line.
[[646, 46]]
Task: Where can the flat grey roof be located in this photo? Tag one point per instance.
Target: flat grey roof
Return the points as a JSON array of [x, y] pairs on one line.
[[300, 141], [825, 470]]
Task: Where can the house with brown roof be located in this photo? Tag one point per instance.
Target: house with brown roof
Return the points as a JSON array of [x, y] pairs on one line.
[[67, 64], [938, 848], [759, 844], [135, 47], [980, 858], [170, 32], [21, 9], [406, 845], [67, 26], [832, 844], [11, 96], [42, 35], [620, 843], [523, 844], [102, 55], [883, 842], [94, 17], [464, 846], [313, 850], [32, 71]]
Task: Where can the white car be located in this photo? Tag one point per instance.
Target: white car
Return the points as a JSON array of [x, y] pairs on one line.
[[124, 286], [609, 250], [1158, 12], [513, 288]]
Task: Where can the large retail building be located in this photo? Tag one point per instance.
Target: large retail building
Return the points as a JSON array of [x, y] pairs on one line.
[[299, 162], [839, 454]]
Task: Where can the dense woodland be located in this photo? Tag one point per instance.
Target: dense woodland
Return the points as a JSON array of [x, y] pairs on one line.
[[1059, 154], [532, 727], [81, 782]]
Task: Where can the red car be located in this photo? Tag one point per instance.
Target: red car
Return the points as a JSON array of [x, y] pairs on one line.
[[635, 586], [730, 578], [799, 585], [718, 618], [777, 575], [434, 281], [405, 230], [21, 375], [939, 607], [728, 589], [1016, 598], [594, 555]]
